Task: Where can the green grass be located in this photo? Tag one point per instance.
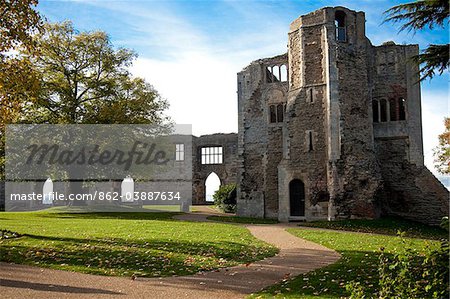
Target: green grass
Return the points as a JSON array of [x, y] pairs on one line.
[[359, 262], [246, 220], [98, 208], [144, 244], [386, 226]]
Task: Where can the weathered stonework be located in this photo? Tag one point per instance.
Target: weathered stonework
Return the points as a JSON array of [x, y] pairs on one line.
[[349, 143], [226, 171]]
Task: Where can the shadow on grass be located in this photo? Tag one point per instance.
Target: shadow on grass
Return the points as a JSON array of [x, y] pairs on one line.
[[331, 281], [245, 220], [115, 256], [112, 215], [385, 226], [53, 287]]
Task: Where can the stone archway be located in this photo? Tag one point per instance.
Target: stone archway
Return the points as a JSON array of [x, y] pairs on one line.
[[297, 198], [212, 154], [212, 184]]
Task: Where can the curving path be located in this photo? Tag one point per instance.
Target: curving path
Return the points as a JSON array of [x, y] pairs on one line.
[[296, 256]]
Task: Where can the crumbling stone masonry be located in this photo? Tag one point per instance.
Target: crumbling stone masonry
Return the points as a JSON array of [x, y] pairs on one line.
[[201, 168], [332, 129]]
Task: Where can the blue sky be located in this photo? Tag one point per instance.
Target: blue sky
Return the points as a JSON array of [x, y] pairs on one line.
[[191, 50]]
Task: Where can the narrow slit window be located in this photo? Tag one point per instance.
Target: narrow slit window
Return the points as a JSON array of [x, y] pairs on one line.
[[280, 113], [283, 73], [393, 109], [203, 155], [272, 114], [310, 141], [383, 110], [276, 73], [375, 111], [402, 109], [341, 34], [269, 75]]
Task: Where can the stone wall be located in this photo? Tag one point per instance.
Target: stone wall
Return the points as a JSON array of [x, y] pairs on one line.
[[226, 171], [394, 76], [328, 138], [260, 142], [357, 168], [410, 191], [305, 154]]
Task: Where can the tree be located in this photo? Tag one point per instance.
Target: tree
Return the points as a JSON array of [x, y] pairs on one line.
[[18, 82], [85, 80], [442, 151], [419, 15], [82, 79], [18, 21]]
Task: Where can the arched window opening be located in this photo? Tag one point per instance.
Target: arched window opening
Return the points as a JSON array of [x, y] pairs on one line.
[[283, 73], [276, 113], [280, 113], [375, 111], [127, 187], [47, 192], [273, 114], [212, 184], [383, 110], [269, 75], [339, 19], [402, 109], [393, 109], [276, 73]]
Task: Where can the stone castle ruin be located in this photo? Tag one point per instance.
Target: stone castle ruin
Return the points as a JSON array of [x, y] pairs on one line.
[[329, 130], [332, 129]]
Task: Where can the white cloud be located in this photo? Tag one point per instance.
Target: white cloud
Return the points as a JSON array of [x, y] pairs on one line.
[[201, 91], [196, 76], [435, 106]]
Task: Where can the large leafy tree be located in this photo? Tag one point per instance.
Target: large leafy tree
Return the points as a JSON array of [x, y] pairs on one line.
[[419, 15], [85, 80], [18, 21], [81, 78], [18, 82], [442, 151]]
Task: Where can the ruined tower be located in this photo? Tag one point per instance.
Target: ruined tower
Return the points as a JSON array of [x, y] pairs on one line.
[[332, 129]]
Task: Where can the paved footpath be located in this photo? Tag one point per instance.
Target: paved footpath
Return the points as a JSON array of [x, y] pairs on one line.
[[296, 256]]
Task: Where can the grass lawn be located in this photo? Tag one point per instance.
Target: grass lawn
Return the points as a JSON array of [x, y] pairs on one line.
[[113, 208], [387, 226], [359, 262], [246, 220], [123, 244]]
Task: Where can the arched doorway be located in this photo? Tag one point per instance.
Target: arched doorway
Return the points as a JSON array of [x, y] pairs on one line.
[[212, 184], [297, 197], [47, 191]]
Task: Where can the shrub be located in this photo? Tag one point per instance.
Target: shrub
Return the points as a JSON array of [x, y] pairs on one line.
[[411, 274], [225, 198]]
